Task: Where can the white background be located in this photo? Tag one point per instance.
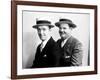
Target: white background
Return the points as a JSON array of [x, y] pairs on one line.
[[5, 41]]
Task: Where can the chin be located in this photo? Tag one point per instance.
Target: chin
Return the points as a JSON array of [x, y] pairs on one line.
[[42, 39], [62, 36]]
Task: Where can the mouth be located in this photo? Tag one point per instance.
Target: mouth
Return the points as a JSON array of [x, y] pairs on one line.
[[42, 36], [62, 33]]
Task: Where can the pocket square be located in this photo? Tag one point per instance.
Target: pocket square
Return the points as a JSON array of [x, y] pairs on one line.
[[67, 56], [45, 55]]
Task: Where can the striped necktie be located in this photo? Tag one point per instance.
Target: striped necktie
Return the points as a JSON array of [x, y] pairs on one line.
[[41, 46]]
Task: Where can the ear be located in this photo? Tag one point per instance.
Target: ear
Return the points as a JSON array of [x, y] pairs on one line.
[[49, 28]]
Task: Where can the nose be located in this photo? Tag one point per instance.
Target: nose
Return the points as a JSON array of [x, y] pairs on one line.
[[61, 30]]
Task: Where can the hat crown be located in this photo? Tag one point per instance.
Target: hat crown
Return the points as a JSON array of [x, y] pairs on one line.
[[66, 20], [43, 22]]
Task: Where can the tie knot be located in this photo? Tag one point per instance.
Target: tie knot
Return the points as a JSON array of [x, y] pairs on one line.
[[41, 44], [62, 40]]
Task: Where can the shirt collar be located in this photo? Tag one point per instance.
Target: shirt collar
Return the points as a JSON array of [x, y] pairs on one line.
[[45, 42], [64, 41]]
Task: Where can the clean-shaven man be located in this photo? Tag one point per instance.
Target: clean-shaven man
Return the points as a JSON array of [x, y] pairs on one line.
[[70, 47], [47, 53]]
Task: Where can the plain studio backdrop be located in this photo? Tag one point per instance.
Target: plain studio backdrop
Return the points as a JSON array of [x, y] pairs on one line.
[[31, 40]]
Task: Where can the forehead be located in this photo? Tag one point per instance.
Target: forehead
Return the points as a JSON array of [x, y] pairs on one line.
[[43, 27], [64, 25]]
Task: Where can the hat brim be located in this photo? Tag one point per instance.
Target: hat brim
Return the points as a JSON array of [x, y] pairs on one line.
[[49, 25], [70, 24]]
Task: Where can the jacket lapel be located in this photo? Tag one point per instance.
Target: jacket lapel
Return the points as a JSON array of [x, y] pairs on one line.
[[67, 44], [44, 51]]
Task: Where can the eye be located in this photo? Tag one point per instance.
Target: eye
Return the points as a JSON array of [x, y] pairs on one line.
[[44, 29], [64, 28]]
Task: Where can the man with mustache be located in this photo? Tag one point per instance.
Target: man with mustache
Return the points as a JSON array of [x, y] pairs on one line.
[[70, 47], [47, 54]]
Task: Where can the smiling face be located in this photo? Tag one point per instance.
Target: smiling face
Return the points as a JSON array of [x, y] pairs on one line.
[[64, 31], [43, 32]]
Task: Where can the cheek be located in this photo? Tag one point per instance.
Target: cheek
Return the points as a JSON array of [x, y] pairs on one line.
[[47, 32], [62, 31], [39, 33], [68, 31]]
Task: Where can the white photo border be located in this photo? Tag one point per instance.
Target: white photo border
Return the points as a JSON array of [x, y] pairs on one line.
[[52, 70]]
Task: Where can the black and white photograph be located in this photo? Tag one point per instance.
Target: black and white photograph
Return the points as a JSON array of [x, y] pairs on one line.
[[65, 37], [55, 39]]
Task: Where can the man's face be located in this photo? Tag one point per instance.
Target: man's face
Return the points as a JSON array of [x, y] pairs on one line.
[[43, 32], [64, 31]]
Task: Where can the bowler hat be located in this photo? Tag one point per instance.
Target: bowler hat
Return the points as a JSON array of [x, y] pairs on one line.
[[43, 23], [65, 21]]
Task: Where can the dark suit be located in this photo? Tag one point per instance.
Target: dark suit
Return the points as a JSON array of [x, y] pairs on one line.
[[71, 52], [49, 57]]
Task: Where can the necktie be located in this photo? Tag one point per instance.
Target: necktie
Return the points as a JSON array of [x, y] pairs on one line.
[[41, 47]]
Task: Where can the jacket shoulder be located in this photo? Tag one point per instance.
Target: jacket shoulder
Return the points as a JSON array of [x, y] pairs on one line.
[[59, 40], [74, 41]]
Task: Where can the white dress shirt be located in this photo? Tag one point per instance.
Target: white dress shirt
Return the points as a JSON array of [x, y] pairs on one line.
[[64, 41], [43, 43]]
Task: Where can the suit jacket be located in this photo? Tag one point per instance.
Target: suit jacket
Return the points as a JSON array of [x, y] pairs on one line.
[[71, 52], [49, 57]]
